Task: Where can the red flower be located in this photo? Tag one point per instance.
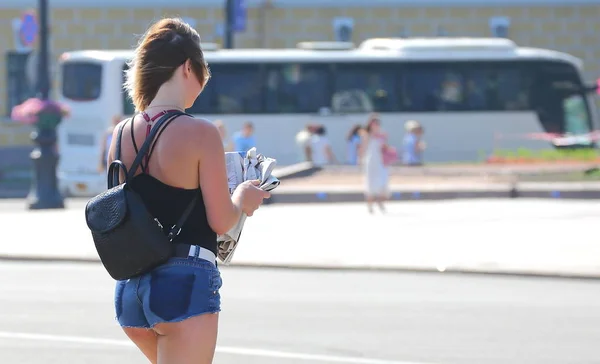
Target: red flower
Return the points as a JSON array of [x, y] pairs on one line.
[[28, 112]]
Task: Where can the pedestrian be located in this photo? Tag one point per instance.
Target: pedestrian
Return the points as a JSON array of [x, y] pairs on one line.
[[320, 147], [303, 142], [353, 144], [244, 139], [413, 144], [171, 313], [372, 151]]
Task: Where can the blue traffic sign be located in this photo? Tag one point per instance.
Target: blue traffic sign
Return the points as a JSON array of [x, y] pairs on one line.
[[239, 15], [29, 29]]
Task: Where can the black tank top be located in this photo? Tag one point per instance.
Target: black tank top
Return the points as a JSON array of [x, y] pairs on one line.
[[167, 204]]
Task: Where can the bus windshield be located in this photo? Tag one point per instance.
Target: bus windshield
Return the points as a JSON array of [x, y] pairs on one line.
[[81, 81]]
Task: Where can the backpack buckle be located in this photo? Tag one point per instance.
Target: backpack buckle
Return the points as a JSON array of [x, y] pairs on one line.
[[173, 234]]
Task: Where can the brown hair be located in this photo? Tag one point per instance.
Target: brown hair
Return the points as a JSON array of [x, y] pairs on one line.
[[354, 132], [373, 118], [167, 45]]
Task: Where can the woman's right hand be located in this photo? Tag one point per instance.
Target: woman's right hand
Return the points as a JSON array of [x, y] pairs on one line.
[[251, 196]]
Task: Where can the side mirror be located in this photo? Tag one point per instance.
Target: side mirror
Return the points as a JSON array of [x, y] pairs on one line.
[[593, 88]]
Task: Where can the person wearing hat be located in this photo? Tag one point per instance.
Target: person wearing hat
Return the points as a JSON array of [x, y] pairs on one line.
[[413, 144]]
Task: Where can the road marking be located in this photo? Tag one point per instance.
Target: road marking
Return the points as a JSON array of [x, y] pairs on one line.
[[220, 349]]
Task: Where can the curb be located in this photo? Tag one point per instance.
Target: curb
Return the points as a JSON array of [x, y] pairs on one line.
[[299, 170], [339, 197], [323, 196], [406, 269], [332, 196]]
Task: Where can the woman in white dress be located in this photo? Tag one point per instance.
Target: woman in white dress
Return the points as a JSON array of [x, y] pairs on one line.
[[376, 172]]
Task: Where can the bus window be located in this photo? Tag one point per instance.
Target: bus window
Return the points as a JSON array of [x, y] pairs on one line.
[[202, 105], [128, 108], [297, 88], [465, 86], [576, 116], [206, 102], [234, 89], [432, 87], [497, 88], [81, 81], [364, 87]]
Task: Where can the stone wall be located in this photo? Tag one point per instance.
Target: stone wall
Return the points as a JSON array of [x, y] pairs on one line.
[[573, 29]]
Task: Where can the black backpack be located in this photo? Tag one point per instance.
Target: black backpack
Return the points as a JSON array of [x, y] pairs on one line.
[[128, 239]]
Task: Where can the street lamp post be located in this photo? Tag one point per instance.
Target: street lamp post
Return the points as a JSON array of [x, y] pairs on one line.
[[44, 193], [43, 77], [229, 24]]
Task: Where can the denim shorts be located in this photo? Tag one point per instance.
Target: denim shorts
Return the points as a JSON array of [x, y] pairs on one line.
[[177, 290]]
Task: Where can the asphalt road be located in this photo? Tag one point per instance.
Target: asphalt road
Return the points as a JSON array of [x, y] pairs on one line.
[[62, 313]]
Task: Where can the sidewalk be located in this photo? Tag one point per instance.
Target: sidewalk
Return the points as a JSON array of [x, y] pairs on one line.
[[534, 237], [346, 183]]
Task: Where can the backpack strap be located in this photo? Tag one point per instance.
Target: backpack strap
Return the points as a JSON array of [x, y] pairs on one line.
[[114, 170], [145, 149], [176, 229]]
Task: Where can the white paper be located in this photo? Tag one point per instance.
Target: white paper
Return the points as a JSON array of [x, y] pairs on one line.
[[242, 168]]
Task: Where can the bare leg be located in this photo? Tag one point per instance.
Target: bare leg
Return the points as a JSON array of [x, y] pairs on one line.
[[192, 341], [380, 201], [370, 204], [145, 340]]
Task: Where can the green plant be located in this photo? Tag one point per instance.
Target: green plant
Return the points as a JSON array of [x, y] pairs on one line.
[[548, 154], [525, 153]]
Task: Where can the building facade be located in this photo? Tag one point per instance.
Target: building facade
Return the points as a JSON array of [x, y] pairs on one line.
[[112, 24]]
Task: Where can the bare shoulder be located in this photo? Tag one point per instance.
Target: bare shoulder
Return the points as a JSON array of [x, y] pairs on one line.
[[198, 134], [195, 126], [115, 130]]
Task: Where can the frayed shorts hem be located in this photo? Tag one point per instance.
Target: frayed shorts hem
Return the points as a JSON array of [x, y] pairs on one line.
[[173, 292], [174, 321]]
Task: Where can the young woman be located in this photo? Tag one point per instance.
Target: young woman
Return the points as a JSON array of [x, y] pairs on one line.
[[376, 172], [171, 313]]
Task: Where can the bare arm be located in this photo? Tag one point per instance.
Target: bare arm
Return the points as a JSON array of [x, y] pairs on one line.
[[113, 145], [330, 154], [308, 152], [362, 147], [229, 146], [223, 211]]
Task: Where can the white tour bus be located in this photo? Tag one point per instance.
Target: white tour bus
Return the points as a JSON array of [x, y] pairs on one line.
[[472, 95]]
